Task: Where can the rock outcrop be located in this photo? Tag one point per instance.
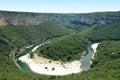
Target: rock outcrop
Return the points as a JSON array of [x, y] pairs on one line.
[[24, 18]]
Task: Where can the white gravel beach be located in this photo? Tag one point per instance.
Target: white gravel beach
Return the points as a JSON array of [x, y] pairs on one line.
[[45, 66], [94, 47]]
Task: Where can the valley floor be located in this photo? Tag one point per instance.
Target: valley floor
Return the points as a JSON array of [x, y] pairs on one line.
[[45, 66]]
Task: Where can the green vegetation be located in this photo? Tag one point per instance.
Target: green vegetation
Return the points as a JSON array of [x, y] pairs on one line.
[[18, 36], [8, 69], [107, 51], [66, 48], [106, 65], [99, 33], [26, 35]]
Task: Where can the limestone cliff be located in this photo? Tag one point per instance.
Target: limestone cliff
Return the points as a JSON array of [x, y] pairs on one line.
[[25, 18]]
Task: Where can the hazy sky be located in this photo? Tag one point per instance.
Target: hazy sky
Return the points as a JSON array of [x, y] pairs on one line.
[[60, 6]]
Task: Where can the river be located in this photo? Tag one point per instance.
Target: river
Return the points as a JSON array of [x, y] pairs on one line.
[[85, 63], [87, 59]]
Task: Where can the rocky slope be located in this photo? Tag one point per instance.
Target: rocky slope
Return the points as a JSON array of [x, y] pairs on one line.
[[24, 18]]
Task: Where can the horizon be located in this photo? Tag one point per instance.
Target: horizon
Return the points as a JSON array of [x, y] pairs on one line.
[[56, 12], [60, 6]]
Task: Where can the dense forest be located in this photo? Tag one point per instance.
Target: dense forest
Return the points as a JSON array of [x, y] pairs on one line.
[[99, 33], [66, 48], [68, 35], [26, 35]]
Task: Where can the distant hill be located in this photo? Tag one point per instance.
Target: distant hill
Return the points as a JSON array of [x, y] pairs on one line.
[[72, 21]]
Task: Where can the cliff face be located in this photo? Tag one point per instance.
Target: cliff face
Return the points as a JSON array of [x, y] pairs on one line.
[[15, 18], [2, 21], [22, 18]]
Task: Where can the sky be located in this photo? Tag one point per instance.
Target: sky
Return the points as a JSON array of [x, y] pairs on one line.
[[60, 6]]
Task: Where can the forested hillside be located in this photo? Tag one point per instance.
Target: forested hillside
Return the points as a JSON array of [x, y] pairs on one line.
[[66, 48], [68, 35], [99, 33], [8, 69], [26, 35]]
